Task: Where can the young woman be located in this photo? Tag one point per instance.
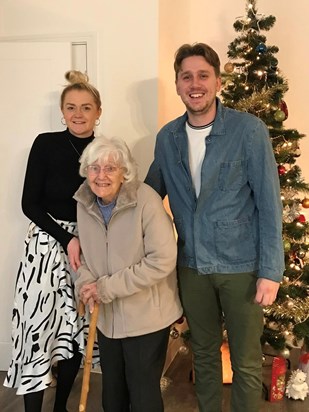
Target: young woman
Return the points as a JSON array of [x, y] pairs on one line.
[[46, 326]]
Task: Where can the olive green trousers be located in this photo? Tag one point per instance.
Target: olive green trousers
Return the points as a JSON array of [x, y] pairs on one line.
[[209, 301]]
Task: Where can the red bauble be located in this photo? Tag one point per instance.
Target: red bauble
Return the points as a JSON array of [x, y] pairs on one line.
[[283, 106], [281, 170], [301, 219]]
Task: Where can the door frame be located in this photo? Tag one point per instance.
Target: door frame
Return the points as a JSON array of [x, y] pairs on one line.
[[88, 39]]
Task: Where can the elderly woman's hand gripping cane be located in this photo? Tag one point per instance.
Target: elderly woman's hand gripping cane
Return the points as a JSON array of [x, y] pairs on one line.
[[89, 296]]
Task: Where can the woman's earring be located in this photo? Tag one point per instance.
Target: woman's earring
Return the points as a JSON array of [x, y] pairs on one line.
[[63, 121], [97, 122]]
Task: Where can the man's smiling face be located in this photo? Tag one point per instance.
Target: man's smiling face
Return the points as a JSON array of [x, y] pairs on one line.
[[197, 85]]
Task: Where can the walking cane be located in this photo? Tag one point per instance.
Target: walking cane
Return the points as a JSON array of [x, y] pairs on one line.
[[89, 350]]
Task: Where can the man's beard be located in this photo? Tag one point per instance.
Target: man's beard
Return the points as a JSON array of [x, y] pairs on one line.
[[201, 109]]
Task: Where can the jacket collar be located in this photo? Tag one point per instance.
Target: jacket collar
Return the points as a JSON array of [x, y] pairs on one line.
[[127, 195], [218, 127]]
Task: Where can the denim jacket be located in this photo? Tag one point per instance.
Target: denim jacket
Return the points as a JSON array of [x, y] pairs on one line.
[[235, 225]]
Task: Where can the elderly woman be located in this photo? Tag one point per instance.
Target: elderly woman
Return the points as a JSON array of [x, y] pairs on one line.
[[129, 257]]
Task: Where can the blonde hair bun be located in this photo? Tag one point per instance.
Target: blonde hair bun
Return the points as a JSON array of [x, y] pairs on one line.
[[75, 76]]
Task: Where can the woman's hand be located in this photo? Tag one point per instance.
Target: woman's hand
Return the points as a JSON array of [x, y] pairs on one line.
[[73, 250], [88, 294]]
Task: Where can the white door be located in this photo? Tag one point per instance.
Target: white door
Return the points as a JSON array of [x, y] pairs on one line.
[[31, 80]]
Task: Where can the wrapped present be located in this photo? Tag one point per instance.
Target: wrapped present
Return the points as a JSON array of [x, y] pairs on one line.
[[304, 364], [278, 375]]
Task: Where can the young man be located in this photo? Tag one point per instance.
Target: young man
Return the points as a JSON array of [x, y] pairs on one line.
[[218, 169]]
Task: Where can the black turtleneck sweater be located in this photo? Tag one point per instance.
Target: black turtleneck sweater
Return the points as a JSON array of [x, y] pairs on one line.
[[52, 177]]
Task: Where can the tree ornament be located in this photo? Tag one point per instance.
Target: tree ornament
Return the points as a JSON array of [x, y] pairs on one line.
[[297, 263], [183, 350], [297, 387], [301, 218], [229, 67], [290, 304], [301, 254], [290, 326], [286, 245], [285, 353], [281, 170], [297, 152], [305, 203], [273, 325], [290, 213], [174, 334], [283, 106], [261, 48], [273, 63], [279, 115], [230, 84], [164, 383]]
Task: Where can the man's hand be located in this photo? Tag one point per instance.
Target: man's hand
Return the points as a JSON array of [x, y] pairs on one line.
[[74, 253], [266, 291]]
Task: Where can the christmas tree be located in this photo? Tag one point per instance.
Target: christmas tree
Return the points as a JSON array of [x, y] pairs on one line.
[[253, 82]]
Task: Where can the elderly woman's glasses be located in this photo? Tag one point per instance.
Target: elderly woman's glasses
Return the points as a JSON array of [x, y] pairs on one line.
[[96, 169]]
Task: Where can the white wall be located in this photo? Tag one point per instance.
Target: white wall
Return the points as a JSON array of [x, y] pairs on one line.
[[188, 21], [127, 47]]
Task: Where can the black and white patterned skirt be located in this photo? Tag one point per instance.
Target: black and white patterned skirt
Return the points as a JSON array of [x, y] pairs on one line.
[[45, 318]]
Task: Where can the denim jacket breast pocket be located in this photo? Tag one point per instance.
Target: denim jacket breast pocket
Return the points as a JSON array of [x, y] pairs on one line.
[[232, 175]]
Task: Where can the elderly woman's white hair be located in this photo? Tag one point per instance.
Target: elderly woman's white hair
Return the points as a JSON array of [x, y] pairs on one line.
[[105, 150]]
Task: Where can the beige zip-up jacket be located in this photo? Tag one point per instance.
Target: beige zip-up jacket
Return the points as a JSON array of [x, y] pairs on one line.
[[132, 260]]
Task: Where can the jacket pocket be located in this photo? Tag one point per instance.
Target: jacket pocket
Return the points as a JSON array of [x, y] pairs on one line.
[[232, 175], [234, 241], [155, 295]]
